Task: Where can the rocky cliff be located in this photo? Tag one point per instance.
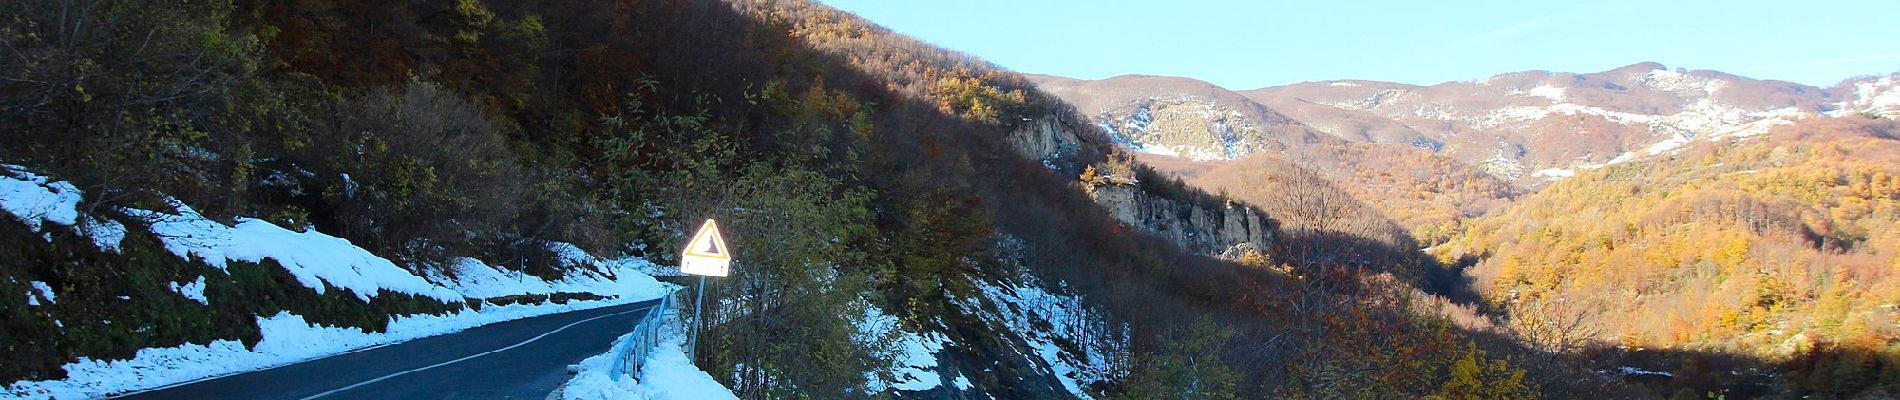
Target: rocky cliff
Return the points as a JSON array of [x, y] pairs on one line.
[[1228, 231], [1224, 229]]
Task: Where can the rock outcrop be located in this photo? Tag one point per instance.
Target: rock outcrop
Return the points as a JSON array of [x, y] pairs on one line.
[[1228, 231]]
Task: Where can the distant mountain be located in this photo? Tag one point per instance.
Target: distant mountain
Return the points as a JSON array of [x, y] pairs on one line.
[[1531, 127], [1874, 95], [1182, 117], [1525, 127]]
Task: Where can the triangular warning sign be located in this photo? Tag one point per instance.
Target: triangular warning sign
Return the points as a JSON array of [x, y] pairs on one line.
[[707, 243]]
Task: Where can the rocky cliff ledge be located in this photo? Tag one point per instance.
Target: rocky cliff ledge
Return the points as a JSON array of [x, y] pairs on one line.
[[1228, 231], [1223, 229]]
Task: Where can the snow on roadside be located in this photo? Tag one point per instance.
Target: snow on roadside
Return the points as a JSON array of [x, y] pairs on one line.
[[667, 375], [287, 339], [622, 277], [317, 261]]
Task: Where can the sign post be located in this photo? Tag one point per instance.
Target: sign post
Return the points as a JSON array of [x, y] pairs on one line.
[[705, 255]]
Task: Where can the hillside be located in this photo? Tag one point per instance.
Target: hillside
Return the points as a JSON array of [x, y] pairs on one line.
[[1780, 250]]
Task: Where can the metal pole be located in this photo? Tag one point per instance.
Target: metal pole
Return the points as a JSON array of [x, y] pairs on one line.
[[692, 345]]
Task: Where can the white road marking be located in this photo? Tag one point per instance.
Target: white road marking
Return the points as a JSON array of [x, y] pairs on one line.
[[523, 343]]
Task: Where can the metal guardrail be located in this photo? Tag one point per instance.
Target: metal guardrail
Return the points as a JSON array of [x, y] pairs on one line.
[[632, 354]]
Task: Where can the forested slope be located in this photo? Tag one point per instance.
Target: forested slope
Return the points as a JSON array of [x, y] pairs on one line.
[[1779, 252]]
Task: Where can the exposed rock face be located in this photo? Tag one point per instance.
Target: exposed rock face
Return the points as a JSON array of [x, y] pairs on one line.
[[1226, 232], [1045, 139]]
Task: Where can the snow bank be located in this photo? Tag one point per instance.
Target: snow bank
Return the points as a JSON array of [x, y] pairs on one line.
[[317, 261], [667, 375], [626, 278], [288, 339], [314, 258]]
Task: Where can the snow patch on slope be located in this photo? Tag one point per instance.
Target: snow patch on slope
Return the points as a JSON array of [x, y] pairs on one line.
[[41, 291], [1877, 96], [194, 290], [914, 364], [1682, 84], [37, 200], [1555, 94], [314, 258], [1554, 173], [1074, 342]]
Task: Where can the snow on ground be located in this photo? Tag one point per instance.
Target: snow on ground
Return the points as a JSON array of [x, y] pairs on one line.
[[1161, 150], [1879, 96], [316, 260], [1554, 173], [1633, 371], [1026, 306], [194, 290], [667, 374], [914, 364], [35, 200], [475, 279], [1683, 84], [1555, 94], [105, 233], [288, 339], [43, 291]]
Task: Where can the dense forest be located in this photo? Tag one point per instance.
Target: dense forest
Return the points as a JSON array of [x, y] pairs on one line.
[[1774, 256]]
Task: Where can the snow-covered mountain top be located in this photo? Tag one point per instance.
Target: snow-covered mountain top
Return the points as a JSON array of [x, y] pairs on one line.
[[1877, 95]]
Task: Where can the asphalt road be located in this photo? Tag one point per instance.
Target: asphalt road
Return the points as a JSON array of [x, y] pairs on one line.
[[520, 359]]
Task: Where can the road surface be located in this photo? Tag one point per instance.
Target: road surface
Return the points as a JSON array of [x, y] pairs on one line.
[[520, 359]]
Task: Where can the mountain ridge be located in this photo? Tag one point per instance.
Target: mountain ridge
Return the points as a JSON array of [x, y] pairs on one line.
[[1528, 127]]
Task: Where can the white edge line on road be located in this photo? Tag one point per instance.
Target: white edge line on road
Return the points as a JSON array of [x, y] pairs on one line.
[[523, 343]]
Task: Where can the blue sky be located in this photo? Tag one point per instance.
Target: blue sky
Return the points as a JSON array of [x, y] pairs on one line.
[[1251, 44]]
